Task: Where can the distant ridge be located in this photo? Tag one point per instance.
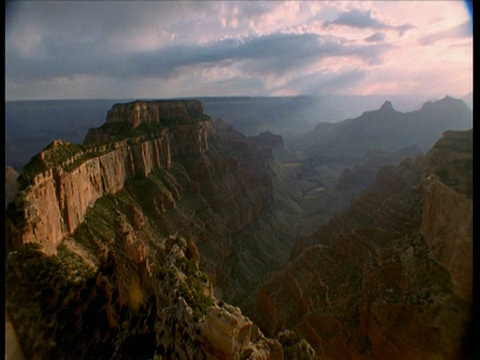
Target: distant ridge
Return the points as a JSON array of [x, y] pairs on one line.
[[384, 128], [32, 124], [468, 99]]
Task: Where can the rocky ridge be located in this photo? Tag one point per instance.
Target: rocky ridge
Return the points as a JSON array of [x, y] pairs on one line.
[[159, 305], [383, 279], [63, 181], [87, 204], [447, 219], [349, 141], [337, 160]]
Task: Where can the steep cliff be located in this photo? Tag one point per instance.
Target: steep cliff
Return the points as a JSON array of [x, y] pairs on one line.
[[64, 180], [391, 276], [447, 220], [111, 232], [159, 305], [264, 243]]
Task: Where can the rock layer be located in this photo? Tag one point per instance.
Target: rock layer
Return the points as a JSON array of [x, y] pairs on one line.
[[140, 112]]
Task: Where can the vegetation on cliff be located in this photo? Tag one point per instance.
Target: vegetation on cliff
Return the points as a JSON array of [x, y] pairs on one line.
[[117, 305], [58, 155]]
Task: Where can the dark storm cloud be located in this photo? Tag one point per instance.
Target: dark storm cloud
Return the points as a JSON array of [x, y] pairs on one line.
[[98, 48], [275, 53], [464, 30], [364, 20]]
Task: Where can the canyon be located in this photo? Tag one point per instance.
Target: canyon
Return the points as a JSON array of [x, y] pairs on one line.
[[132, 208], [384, 278], [163, 216]]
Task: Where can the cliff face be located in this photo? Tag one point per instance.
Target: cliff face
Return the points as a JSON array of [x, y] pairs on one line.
[[130, 213], [209, 187], [57, 199], [391, 276], [128, 221], [158, 305], [140, 112], [448, 208], [188, 127]]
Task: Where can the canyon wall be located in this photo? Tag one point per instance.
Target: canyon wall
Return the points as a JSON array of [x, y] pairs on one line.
[[128, 217], [140, 112], [447, 220], [57, 199], [208, 184], [390, 277]]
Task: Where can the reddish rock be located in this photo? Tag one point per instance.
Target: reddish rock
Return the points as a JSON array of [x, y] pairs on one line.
[[390, 276], [140, 112], [58, 198]]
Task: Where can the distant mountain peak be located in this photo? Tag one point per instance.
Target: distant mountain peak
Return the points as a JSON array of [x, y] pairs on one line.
[[447, 101], [387, 106]]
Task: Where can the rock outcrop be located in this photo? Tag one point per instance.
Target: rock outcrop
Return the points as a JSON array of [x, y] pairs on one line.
[[159, 307], [391, 276], [62, 182], [129, 215], [160, 212], [268, 140], [169, 111], [227, 334]]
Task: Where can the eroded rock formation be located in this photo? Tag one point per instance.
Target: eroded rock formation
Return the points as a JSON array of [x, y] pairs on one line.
[[384, 279], [159, 197], [65, 180], [160, 306], [140, 112], [128, 215]]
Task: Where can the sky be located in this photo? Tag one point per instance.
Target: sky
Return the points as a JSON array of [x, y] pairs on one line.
[[166, 49]]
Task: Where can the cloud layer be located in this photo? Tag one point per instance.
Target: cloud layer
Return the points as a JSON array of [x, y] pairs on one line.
[[364, 20], [170, 49]]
